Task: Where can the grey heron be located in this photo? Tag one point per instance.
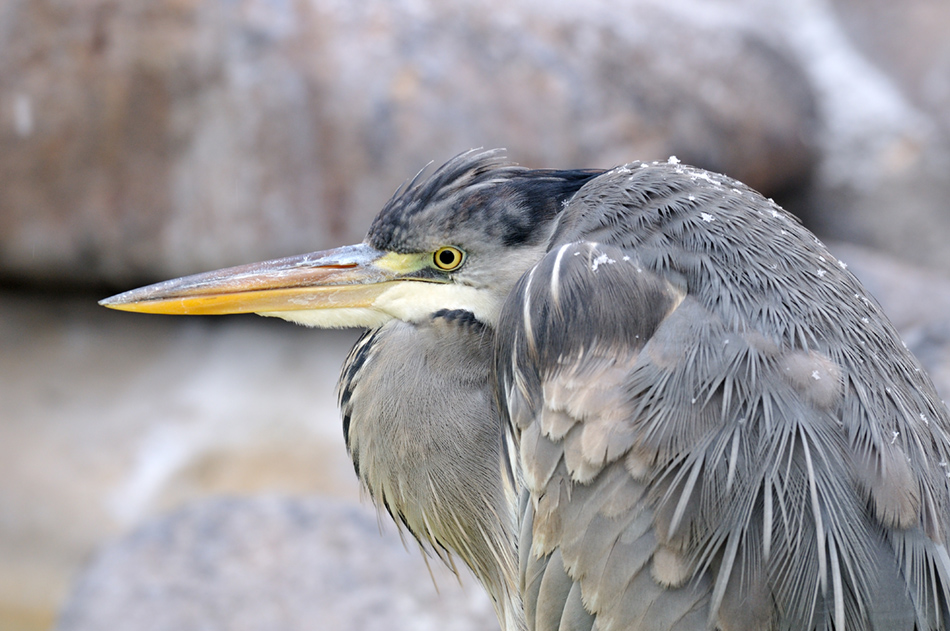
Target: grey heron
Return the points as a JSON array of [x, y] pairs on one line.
[[638, 398]]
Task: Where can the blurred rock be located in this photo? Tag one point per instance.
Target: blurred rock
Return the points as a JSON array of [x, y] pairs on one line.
[[109, 419], [268, 563], [908, 41], [151, 139], [880, 179], [898, 203]]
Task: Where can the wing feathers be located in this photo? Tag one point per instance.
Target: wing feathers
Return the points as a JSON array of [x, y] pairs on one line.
[[687, 472], [552, 595], [575, 616], [539, 457]]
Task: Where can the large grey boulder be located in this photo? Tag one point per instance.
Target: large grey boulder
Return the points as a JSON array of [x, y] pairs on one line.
[[151, 139], [270, 563]]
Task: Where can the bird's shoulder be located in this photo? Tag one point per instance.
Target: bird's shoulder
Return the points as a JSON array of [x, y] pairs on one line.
[[701, 441]]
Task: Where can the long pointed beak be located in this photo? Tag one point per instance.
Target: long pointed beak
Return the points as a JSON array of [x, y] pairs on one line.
[[347, 277]]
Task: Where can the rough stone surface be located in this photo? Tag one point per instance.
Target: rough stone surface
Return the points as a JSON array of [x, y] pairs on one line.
[[107, 419], [152, 139], [880, 179], [908, 41], [898, 202], [268, 563]]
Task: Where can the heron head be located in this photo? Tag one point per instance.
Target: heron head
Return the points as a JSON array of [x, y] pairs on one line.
[[456, 239]]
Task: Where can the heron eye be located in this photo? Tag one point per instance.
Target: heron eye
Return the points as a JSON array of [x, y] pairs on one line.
[[448, 258]]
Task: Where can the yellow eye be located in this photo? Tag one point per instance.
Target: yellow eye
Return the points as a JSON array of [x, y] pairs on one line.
[[448, 258]]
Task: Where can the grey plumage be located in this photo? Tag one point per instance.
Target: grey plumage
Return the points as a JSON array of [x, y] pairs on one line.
[[644, 398], [432, 459], [789, 450], [712, 413]]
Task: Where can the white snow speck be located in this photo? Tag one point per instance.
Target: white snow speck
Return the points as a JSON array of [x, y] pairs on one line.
[[603, 259], [865, 320], [821, 273], [894, 436], [691, 198], [923, 417], [842, 264], [626, 258], [707, 177], [707, 217], [816, 375], [644, 165], [673, 160], [776, 214]]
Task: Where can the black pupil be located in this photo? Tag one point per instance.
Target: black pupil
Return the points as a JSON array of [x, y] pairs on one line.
[[446, 257]]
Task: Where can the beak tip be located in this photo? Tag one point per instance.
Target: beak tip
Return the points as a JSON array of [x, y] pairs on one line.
[[122, 302]]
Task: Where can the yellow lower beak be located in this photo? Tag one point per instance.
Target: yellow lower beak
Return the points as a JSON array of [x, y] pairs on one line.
[[346, 277]]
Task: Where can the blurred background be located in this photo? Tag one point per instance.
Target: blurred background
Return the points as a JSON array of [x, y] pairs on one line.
[[160, 473]]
